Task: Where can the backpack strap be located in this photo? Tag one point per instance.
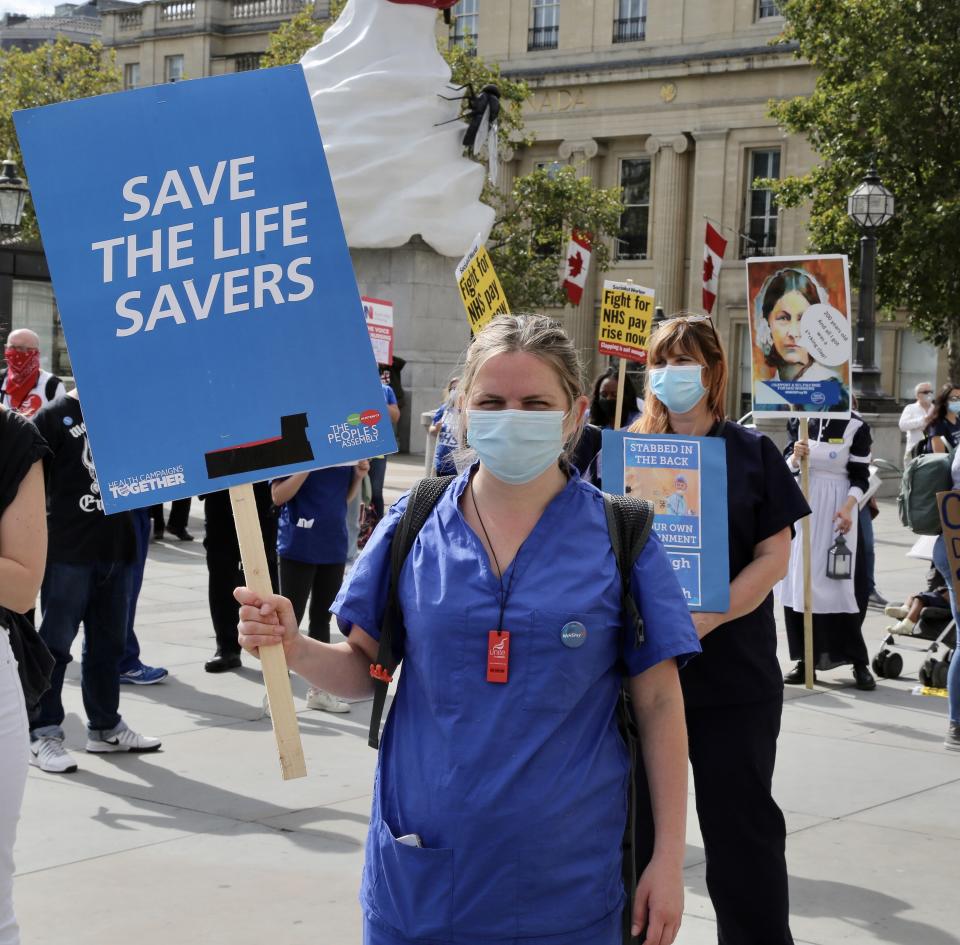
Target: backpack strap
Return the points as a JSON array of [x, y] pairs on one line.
[[629, 521], [420, 503]]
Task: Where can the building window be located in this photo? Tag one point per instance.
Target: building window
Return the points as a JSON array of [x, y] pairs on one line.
[[917, 363], [131, 75], [466, 19], [635, 219], [760, 215], [173, 68], [246, 62], [768, 8], [551, 167], [631, 22], [545, 31]]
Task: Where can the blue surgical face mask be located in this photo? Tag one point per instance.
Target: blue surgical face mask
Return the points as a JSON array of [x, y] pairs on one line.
[[677, 386], [516, 445], [953, 406]]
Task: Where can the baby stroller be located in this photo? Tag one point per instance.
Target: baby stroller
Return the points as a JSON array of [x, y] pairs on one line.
[[935, 625]]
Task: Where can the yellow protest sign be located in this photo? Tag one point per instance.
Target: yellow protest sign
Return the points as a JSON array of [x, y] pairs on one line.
[[626, 314], [480, 289]]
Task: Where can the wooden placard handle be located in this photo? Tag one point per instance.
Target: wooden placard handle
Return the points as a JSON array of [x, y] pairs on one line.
[[272, 658], [621, 379], [807, 581]]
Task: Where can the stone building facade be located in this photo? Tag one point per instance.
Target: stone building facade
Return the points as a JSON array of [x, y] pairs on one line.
[[669, 99]]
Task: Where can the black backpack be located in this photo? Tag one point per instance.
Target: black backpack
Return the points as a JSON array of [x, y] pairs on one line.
[[629, 523]]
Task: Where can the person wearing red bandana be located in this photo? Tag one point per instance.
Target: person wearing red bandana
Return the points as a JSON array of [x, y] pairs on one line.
[[24, 386]]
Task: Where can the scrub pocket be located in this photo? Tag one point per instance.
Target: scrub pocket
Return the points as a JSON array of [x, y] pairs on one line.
[[413, 888], [556, 677]]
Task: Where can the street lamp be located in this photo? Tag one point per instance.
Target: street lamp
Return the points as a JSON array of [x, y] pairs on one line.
[[870, 206], [13, 196]]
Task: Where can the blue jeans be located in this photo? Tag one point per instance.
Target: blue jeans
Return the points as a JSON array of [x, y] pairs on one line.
[[953, 676], [96, 595], [130, 660]]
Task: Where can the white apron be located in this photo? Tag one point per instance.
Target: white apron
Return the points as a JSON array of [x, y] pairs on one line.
[[829, 488]]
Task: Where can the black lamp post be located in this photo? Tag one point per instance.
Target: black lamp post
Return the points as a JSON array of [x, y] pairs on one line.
[[870, 206], [13, 196]]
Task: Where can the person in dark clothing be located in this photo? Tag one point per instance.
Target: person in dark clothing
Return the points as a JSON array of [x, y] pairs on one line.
[[176, 524], [839, 452], [733, 694], [945, 422], [225, 569], [88, 579], [603, 401]]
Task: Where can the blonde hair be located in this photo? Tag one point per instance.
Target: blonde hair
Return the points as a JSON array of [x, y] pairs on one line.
[[696, 338], [531, 334]]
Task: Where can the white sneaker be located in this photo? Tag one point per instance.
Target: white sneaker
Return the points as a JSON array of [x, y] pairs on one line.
[[124, 740], [48, 754], [325, 701]]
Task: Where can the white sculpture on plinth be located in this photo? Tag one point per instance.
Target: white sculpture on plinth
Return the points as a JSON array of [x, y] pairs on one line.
[[396, 160]]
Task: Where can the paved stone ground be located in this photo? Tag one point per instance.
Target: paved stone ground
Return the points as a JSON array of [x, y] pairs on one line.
[[204, 842]]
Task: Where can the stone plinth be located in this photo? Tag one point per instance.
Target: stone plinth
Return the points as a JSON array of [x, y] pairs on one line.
[[430, 326]]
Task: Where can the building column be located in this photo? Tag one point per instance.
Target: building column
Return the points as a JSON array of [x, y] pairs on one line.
[[581, 320], [669, 218]]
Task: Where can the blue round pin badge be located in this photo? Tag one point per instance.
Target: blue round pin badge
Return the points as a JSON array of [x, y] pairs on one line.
[[573, 634], [68, 421]]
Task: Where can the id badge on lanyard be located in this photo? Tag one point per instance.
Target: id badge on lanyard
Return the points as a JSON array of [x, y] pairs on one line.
[[498, 656]]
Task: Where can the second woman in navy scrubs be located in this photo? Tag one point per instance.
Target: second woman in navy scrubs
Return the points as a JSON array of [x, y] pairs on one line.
[[733, 692], [500, 800]]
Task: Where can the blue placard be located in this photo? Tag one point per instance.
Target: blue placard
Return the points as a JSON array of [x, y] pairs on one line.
[[685, 477], [204, 284]]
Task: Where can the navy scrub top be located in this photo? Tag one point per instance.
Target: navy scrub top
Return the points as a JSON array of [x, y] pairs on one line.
[[518, 791], [739, 662], [312, 526]]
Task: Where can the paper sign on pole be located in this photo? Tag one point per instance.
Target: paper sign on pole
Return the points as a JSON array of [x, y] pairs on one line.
[[685, 477], [801, 335], [205, 286], [480, 289], [379, 314], [626, 314]]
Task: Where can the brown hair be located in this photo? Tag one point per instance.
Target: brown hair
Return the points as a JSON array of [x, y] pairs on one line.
[[697, 338], [532, 334]]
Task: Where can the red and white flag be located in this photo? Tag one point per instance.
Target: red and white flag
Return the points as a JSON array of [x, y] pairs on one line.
[[713, 249], [577, 266]]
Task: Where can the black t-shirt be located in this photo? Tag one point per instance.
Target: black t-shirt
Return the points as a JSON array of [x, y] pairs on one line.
[[945, 428], [20, 447], [78, 530], [739, 660]]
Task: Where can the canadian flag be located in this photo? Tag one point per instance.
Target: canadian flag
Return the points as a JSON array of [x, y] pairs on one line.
[[713, 249], [578, 265]]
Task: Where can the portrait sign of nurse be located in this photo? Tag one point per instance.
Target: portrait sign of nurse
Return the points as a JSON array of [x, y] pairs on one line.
[[800, 333]]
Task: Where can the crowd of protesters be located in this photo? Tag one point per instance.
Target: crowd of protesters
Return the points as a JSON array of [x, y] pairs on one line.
[[522, 442]]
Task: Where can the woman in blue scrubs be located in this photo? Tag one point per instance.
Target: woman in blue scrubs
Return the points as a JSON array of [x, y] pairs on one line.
[[734, 691], [499, 806]]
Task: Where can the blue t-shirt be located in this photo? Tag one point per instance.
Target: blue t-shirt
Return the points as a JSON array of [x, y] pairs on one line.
[[312, 526], [388, 394], [517, 790]]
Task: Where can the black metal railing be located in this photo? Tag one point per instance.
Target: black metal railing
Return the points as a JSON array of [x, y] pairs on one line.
[[543, 37], [466, 41], [759, 245], [630, 30]]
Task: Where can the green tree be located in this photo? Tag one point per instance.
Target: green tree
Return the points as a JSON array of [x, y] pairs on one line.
[[301, 32], [533, 223], [887, 91], [55, 72], [533, 220]]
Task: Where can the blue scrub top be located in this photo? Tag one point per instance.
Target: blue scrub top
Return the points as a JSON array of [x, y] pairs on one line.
[[518, 791], [312, 526]]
